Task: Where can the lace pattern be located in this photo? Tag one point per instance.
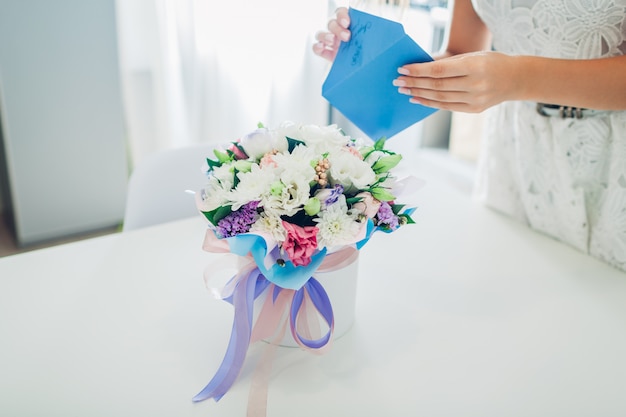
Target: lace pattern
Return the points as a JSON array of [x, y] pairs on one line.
[[564, 177], [571, 29]]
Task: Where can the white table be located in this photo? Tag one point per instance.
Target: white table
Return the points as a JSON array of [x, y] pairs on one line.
[[491, 319]]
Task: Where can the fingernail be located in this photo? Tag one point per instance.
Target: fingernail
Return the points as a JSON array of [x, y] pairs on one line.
[[414, 100], [403, 71], [399, 83], [329, 37], [406, 91], [345, 36], [344, 23]]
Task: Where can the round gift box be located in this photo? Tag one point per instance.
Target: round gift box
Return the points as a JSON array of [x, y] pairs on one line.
[[341, 287]]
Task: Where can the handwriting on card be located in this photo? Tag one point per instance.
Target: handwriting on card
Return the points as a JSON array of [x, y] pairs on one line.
[[358, 29]]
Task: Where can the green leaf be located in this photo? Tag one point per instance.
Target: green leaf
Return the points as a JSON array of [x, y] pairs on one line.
[[409, 219], [385, 163], [353, 200], [395, 208], [381, 194], [366, 151], [292, 143], [223, 157], [380, 144], [213, 164], [235, 177], [214, 216], [260, 125]]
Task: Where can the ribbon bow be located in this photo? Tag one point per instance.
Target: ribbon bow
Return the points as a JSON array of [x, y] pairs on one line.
[[292, 296]]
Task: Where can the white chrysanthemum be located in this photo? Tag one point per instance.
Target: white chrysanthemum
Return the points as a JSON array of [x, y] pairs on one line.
[[252, 185], [319, 138], [323, 138], [290, 197], [350, 171], [261, 141], [288, 130], [224, 174], [215, 193], [297, 163], [272, 225], [336, 226]]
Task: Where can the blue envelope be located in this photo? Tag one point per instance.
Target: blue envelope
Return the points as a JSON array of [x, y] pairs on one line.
[[359, 83]]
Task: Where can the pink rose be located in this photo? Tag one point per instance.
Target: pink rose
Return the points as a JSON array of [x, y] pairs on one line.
[[300, 243], [237, 151]]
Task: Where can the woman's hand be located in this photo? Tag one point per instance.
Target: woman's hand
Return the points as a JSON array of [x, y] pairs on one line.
[[328, 42], [469, 82]]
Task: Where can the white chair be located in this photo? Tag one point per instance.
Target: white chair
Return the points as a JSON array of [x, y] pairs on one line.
[[157, 188]]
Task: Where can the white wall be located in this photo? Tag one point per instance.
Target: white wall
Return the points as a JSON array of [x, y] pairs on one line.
[[61, 112]]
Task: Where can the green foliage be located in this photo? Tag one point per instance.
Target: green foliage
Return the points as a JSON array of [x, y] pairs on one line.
[[292, 143], [381, 194], [379, 145], [235, 177], [222, 157], [396, 208], [214, 216], [407, 219], [386, 163], [213, 164], [353, 200]]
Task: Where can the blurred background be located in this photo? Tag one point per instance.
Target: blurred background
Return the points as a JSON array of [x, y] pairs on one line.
[[89, 88]]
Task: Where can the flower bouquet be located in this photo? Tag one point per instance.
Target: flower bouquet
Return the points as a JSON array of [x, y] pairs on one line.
[[293, 201]]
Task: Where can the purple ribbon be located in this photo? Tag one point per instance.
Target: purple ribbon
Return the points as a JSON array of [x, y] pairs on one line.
[[249, 287], [322, 303], [242, 300]]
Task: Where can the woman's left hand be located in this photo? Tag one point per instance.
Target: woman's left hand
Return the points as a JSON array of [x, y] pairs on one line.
[[469, 82]]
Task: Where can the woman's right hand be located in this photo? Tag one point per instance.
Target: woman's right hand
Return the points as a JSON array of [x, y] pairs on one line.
[[328, 41]]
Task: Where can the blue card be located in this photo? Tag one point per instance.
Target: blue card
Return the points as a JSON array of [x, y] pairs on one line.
[[359, 83]]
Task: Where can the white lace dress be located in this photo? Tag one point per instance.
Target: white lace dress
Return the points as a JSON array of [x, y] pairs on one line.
[[564, 177]]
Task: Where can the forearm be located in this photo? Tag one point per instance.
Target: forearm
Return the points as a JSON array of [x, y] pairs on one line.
[[595, 84], [464, 21]]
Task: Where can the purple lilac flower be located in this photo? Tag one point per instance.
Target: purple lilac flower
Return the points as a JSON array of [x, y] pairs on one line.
[[238, 221], [387, 217]]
